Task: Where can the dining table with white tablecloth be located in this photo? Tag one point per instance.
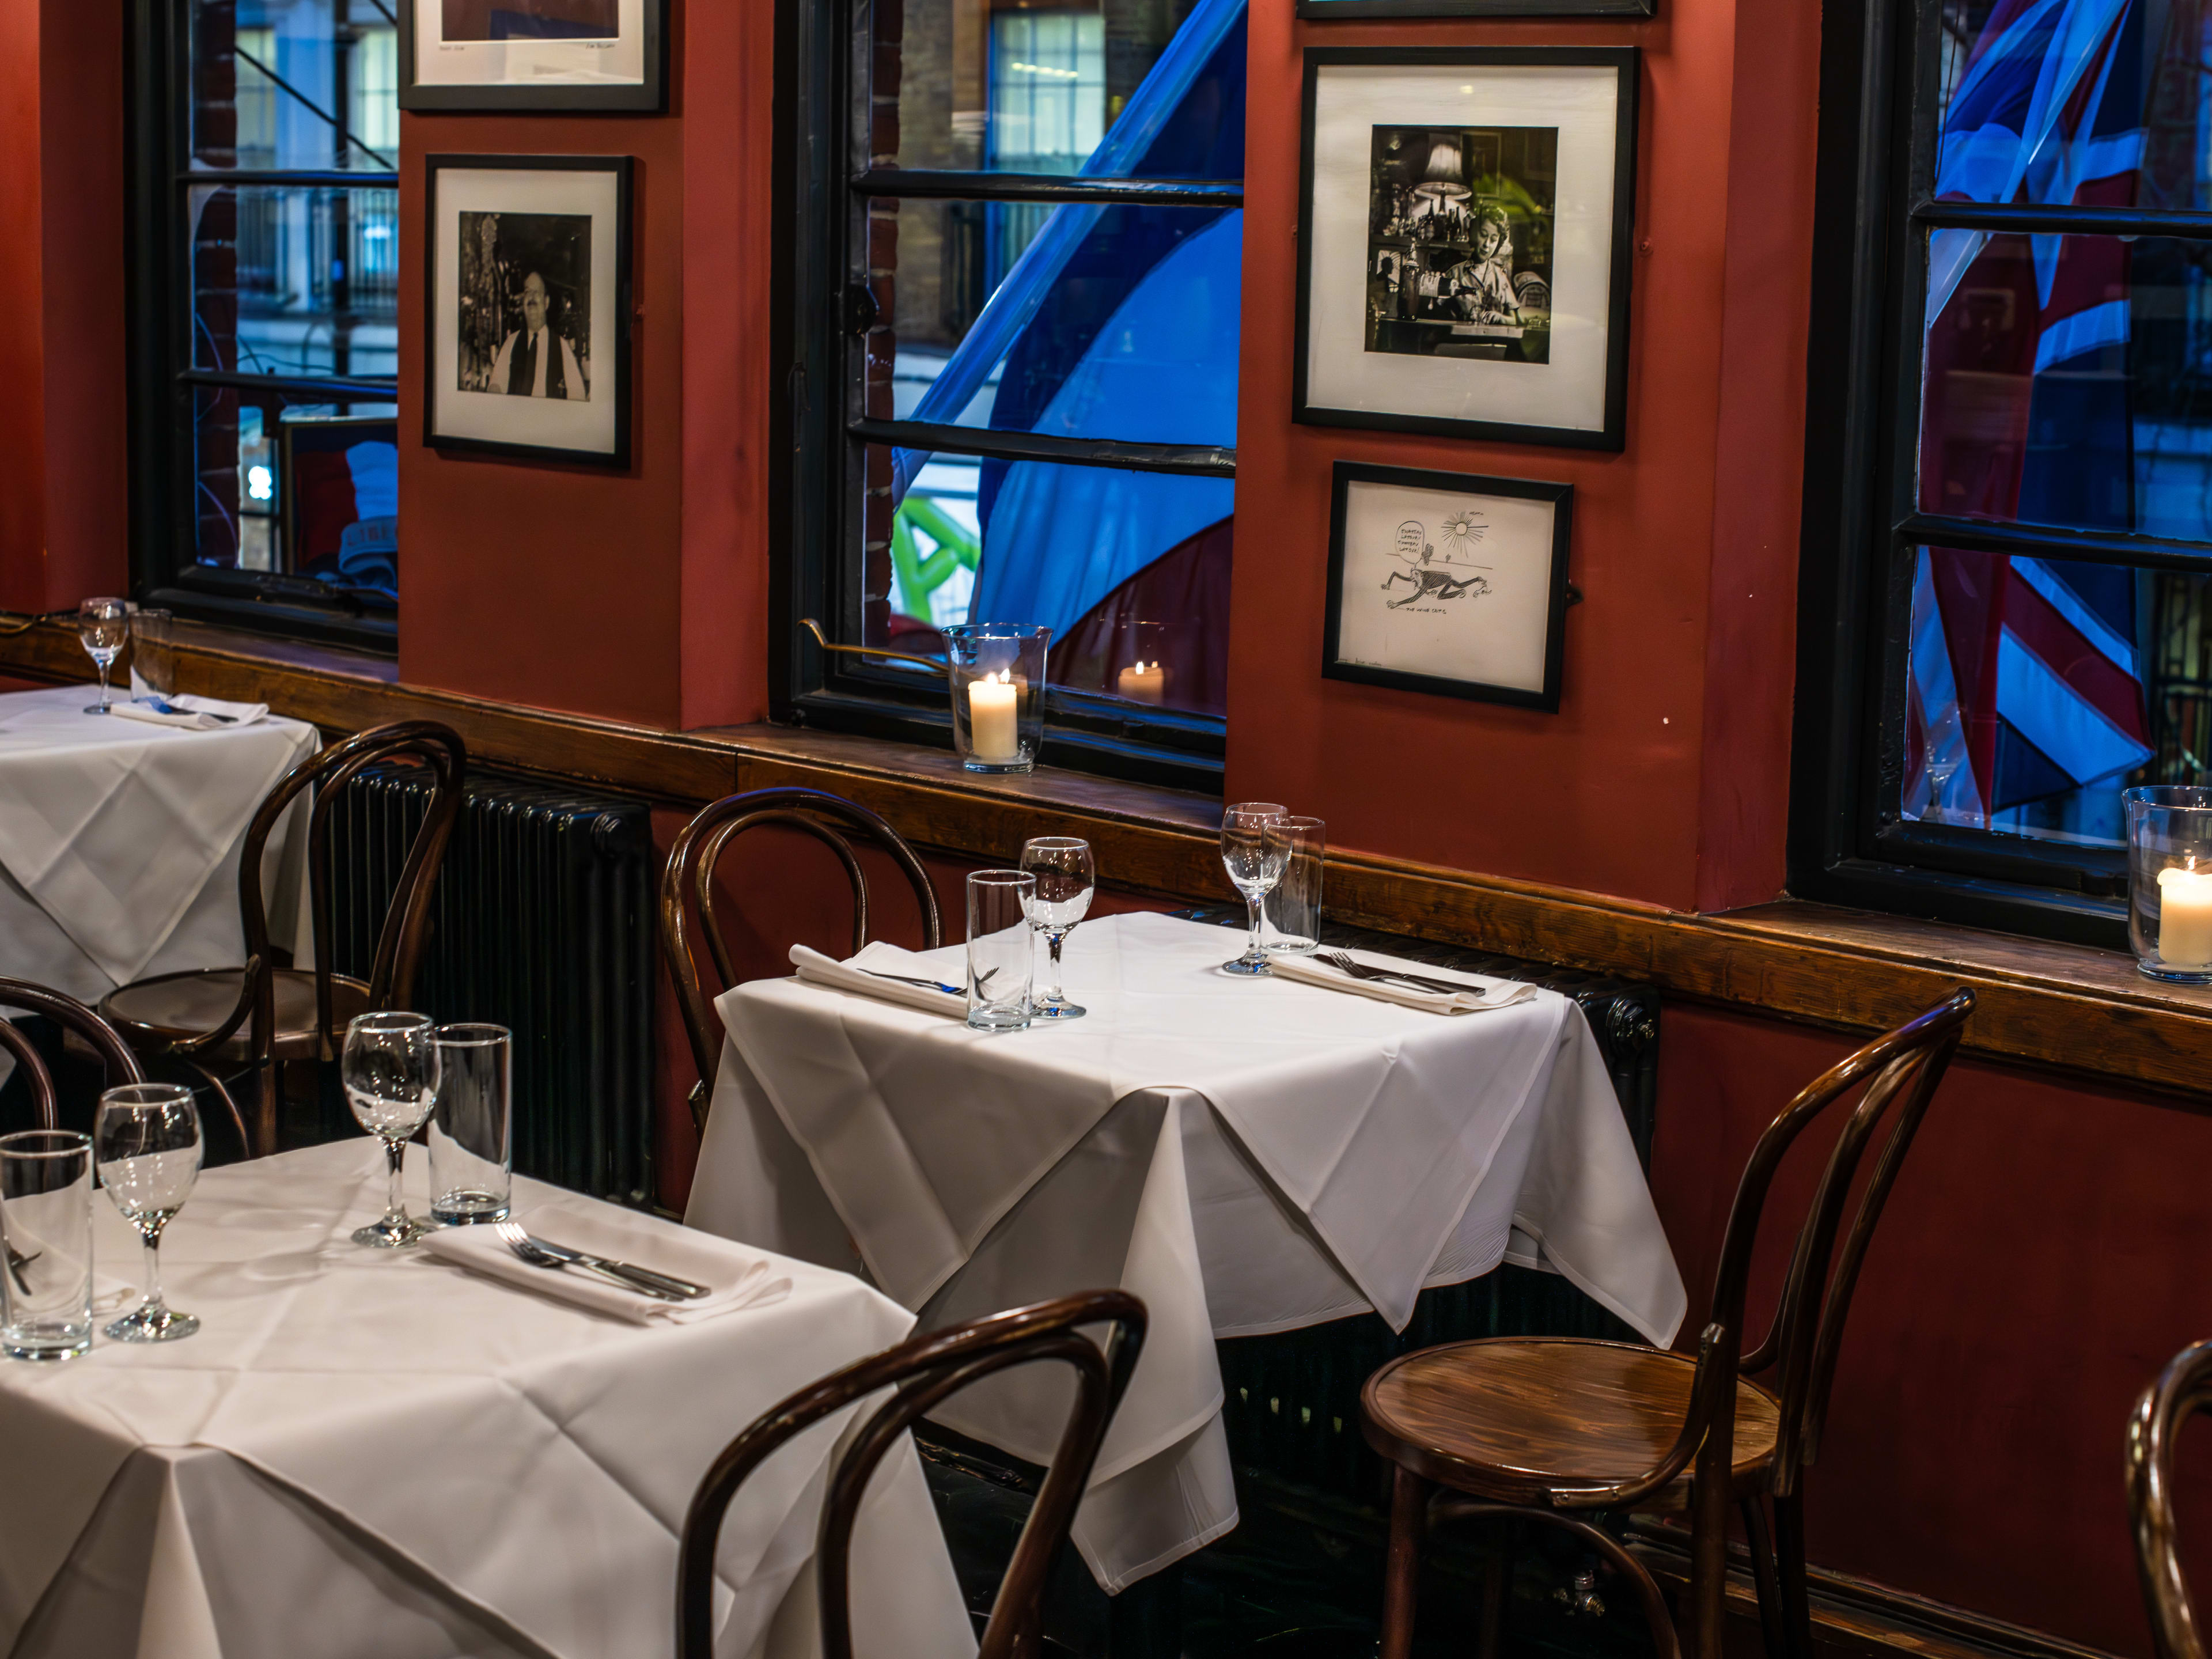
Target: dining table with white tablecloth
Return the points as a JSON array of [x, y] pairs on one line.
[[380, 1453], [1245, 1155]]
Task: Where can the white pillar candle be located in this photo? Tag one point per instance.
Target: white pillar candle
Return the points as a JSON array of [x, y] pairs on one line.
[[2185, 918], [1143, 682], [993, 725]]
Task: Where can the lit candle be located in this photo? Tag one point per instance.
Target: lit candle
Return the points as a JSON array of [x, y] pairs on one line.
[[994, 731], [2185, 918], [1144, 681]]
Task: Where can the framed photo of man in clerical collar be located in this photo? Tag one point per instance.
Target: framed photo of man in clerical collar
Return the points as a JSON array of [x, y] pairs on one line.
[[528, 320], [1465, 234], [563, 55]]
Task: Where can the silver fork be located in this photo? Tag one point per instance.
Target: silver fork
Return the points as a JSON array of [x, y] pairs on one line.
[[512, 1235], [16, 1262], [1344, 963]]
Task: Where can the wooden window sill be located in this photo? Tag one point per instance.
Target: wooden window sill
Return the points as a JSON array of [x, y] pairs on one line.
[[2066, 1007]]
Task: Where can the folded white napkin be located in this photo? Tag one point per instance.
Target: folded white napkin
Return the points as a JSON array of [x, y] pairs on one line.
[[817, 970], [738, 1279], [1480, 993], [192, 713]]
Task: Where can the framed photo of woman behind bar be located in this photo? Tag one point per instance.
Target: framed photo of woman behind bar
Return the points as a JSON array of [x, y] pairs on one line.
[[1464, 239], [549, 55]]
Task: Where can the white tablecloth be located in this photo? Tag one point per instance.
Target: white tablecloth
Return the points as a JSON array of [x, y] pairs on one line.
[[1247, 1156], [372, 1454], [119, 842]]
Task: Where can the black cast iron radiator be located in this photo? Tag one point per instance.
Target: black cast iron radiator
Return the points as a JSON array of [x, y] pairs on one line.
[[541, 922]]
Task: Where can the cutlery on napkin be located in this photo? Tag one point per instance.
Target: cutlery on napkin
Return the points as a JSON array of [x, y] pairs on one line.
[[735, 1280], [907, 989], [1478, 995], [191, 714]]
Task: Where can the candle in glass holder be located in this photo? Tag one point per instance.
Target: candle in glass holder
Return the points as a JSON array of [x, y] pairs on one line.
[[994, 708], [2185, 918], [1143, 682]]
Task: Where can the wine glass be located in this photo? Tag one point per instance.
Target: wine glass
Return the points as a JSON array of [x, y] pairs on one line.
[[103, 626], [146, 1145], [390, 1069], [1254, 859], [1065, 878]]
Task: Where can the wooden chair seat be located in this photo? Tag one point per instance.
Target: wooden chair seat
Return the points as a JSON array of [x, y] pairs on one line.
[[1515, 1419], [172, 1008]]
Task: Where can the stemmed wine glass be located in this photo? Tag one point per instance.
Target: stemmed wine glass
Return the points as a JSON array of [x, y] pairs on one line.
[[391, 1068], [1065, 878], [1254, 857], [103, 626], [146, 1145]]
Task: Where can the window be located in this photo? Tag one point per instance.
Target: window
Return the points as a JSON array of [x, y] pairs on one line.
[[2008, 570], [265, 342], [1012, 382]]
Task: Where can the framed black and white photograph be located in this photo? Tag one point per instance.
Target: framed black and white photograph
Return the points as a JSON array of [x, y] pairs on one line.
[[1465, 240], [1349, 9], [1448, 583], [551, 55], [528, 335]]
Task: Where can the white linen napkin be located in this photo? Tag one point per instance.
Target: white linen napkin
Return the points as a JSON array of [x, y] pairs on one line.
[[817, 970], [1480, 993], [737, 1279], [192, 713]]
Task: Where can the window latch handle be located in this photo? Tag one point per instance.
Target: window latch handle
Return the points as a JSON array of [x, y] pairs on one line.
[[861, 311]]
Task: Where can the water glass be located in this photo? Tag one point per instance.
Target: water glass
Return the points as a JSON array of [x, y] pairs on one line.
[[472, 1126], [146, 1141], [45, 1244], [152, 653], [2170, 881], [103, 627], [1065, 878], [1291, 910], [391, 1068], [1254, 861], [999, 953]]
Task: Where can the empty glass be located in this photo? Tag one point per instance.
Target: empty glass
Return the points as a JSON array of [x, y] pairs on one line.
[[1291, 910], [1065, 878], [1254, 859], [999, 950], [391, 1069], [472, 1126], [147, 1140], [152, 653], [45, 1244], [103, 627]]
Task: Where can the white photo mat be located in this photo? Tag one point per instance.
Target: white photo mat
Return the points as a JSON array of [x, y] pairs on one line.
[[616, 62]]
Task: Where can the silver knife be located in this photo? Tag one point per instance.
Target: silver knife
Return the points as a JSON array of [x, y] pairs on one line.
[[664, 1282]]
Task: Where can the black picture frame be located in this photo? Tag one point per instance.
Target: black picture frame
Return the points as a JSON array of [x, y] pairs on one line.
[[620, 374], [648, 97], [1626, 62], [1365, 10], [1558, 595]]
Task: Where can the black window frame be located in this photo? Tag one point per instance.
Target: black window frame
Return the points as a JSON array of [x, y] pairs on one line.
[[163, 378], [1849, 842], [823, 51]]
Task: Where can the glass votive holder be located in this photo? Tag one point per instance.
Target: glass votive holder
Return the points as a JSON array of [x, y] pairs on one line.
[[996, 674], [2170, 881], [1291, 913], [1000, 957]]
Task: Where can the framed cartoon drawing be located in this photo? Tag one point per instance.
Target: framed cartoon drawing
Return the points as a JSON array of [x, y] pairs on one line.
[[1448, 583], [1465, 232], [562, 56]]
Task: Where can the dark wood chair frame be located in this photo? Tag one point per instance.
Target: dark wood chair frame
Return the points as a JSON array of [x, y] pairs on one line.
[[924, 1373], [687, 897], [398, 944], [1903, 1068], [72, 1015], [2184, 1388]]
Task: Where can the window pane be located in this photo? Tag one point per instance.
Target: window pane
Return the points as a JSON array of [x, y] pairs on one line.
[[1154, 90], [304, 84], [1114, 322], [295, 280], [2069, 382]]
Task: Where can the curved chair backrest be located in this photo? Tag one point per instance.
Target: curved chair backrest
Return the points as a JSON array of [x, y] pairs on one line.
[[687, 895], [924, 1372], [122, 1065], [2184, 1387]]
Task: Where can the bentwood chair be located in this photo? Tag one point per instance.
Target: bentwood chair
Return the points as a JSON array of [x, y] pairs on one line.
[[923, 1373], [260, 1016], [1549, 1429], [687, 897], [2184, 1387], [74, 1017]]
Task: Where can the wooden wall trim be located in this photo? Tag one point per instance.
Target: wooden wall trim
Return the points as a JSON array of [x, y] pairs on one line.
[[2081, 1012]]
